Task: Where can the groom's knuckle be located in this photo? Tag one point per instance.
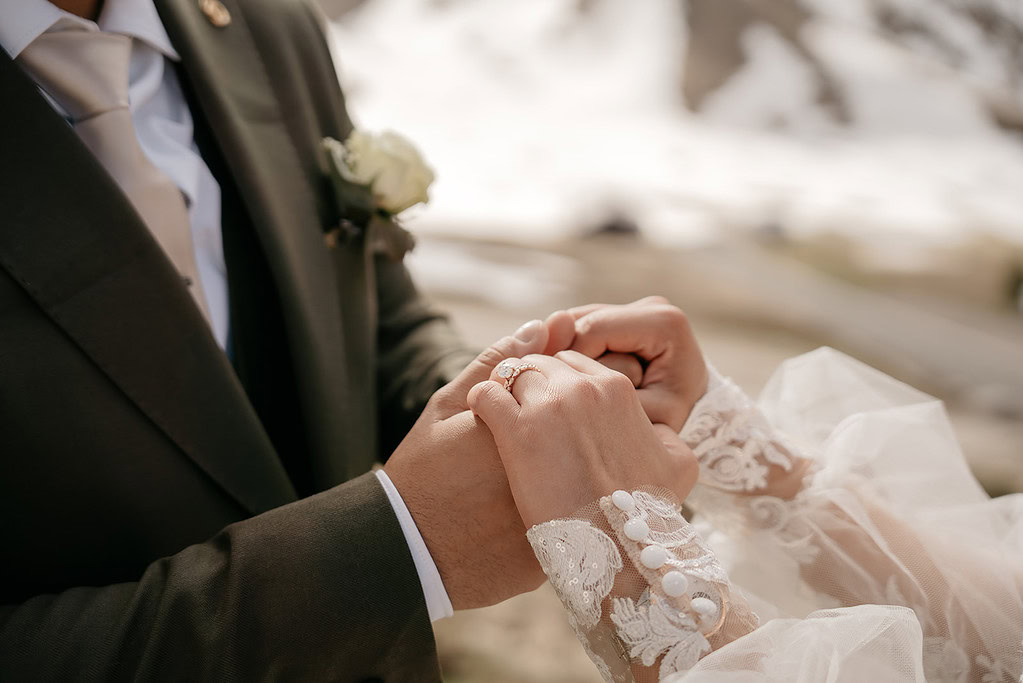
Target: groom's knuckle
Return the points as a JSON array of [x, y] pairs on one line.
[[440, 398]]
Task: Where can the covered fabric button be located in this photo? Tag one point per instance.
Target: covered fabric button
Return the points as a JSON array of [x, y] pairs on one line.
[[653, 556], [705, 607], [675, 584], [623, 501], [636, 529]]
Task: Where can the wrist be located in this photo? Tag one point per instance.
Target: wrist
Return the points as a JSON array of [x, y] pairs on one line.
[[438, 603]]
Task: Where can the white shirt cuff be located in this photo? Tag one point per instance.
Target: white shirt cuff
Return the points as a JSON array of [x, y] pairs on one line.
[[438, 605]]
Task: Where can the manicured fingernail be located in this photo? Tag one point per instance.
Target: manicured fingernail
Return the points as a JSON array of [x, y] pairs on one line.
[[527, 332]]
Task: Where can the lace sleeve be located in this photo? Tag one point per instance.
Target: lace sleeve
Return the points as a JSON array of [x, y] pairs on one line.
[[877, 512], [749, 469], [738, 449], [644, 594]]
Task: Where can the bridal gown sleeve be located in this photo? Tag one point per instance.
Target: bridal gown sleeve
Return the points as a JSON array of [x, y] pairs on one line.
[[836, 512], [852, 524], [644, 594]]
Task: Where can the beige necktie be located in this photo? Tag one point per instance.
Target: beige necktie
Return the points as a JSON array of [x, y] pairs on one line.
[[86, 72]]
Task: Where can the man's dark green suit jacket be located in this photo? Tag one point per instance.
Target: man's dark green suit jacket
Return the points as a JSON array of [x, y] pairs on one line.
[[164, 513]]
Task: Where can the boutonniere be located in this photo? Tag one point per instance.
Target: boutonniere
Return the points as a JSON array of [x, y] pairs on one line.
[[375, 178]]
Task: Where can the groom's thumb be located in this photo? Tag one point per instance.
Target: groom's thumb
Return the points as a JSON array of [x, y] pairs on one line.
[[530, 338]]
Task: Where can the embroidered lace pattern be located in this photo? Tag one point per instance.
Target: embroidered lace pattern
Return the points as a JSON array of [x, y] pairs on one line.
[[854, 542], [618, 605], [732, 440], [581, 563]]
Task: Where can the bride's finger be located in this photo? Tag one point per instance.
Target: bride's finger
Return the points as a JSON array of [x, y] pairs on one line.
[[530, 338], [560, 327], [584, 364], [490, 402], [561, 324], [582, 311], [654, 300], [532, 386], [526, 381]]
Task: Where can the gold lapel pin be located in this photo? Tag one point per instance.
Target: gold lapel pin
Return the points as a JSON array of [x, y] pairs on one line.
[[215, 12]]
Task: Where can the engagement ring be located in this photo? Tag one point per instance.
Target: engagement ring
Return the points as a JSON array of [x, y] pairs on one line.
[[509, 371]]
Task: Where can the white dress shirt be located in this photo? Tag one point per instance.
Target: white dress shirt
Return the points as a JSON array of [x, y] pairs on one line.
[[163, 124]]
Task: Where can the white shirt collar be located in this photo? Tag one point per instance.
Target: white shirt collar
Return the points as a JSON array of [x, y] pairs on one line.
[[22, 21]]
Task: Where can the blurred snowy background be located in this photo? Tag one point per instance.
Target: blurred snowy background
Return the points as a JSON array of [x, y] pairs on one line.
[[790, 172], [885, 121]]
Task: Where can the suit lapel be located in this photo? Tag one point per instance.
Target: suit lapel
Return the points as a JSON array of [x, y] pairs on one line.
[[266, 139], [231, 85], [74, 242]]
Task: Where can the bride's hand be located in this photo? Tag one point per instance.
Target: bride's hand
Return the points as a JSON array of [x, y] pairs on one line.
[[673, 375], [571, 431]]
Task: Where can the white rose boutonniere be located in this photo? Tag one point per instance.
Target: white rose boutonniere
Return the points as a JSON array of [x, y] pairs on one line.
[[391, 167], [376, 177]]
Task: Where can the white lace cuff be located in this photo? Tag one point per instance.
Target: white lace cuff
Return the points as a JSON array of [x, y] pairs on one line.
[[640, 586], [737, 447]]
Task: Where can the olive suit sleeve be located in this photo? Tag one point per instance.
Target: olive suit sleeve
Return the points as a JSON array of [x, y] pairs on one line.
[[418, 351], [283, 596]]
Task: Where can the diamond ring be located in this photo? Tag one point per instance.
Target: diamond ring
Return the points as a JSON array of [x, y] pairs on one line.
[[509, 371]]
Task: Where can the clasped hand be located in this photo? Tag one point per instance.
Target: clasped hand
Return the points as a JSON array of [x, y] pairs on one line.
[[612, 387]]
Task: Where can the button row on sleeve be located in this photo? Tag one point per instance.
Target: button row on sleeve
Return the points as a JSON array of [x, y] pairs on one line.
[[654, 556]]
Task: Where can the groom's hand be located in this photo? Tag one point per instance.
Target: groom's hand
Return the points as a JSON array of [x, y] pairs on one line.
[[450, 476], [672, 371]]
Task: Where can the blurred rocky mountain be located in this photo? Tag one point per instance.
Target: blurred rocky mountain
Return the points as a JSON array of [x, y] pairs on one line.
[[878, 135], [975, 46], [915, 55]]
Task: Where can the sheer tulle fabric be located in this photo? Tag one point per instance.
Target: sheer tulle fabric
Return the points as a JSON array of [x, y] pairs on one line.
[[843, 514]]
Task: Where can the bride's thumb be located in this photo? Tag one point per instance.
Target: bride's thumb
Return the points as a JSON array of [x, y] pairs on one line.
[[493, 404], [530, 338]]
